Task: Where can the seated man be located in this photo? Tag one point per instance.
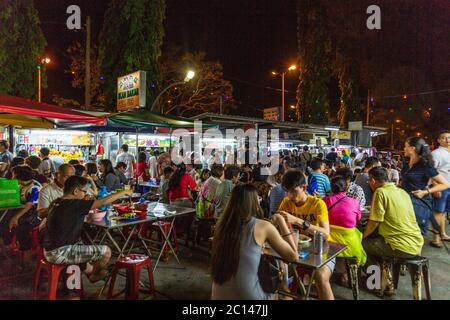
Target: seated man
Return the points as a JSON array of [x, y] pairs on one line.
[[392, 213], [311, 214], [65, 221]]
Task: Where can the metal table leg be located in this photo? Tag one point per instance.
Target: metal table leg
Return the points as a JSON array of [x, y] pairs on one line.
[[166, 242]]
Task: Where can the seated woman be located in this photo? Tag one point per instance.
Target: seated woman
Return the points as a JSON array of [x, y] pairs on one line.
[[107, 177], [237, 245], [22, 221], [180, 185], [343, 213]]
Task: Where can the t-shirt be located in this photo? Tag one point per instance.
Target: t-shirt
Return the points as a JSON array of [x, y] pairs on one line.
[[30, 192], [323, 183], [331, 156], [128, 159], [6, 156], [276, 196], [441, 157], [141, 167], [153, 167], [182, 190], [65, 222], [362, 180], [393, 175], [47, 168], [417, 177], [222, 196], [344, 213], [48, 194], [313, 210], [393, 209]]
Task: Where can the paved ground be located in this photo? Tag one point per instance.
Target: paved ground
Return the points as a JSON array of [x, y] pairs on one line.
[[191, 280]]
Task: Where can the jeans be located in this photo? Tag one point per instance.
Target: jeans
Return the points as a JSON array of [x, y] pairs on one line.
[[22, 231]]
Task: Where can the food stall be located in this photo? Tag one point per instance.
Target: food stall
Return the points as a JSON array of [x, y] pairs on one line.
[[65, 144]]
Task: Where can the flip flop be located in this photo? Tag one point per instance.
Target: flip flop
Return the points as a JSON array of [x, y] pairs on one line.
[[446, 239], [436, 245]]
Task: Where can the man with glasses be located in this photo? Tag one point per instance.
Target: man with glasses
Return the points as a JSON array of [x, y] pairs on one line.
[[62, 240], [310, 214]]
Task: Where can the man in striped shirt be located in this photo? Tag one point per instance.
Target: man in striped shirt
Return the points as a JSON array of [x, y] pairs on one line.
[[323, 182]]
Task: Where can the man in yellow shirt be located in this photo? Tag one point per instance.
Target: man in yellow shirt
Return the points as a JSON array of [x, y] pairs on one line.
[[392, 213], [310, 214]]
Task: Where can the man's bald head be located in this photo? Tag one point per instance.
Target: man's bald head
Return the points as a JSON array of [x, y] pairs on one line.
[[64, 172]]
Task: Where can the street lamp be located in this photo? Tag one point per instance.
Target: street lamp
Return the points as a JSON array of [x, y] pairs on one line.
[[189, 76], [44, 61], [291, 68]]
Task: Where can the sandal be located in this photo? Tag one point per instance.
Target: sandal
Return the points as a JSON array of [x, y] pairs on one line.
[[438, 245]]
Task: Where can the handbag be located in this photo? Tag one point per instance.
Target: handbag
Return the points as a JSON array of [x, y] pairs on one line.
[[269, 274]]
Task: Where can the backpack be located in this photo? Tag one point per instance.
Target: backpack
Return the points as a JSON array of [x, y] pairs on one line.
[[312, 184]]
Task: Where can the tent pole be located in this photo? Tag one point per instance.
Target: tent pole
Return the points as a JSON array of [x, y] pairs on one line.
[[137, 154]]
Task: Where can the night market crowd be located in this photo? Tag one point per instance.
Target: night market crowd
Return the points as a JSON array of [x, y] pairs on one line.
[[241, 210]]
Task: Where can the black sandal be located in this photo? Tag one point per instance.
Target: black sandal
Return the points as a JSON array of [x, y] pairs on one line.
[[436, 245]]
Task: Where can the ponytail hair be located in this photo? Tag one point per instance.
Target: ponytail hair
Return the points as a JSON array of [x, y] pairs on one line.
[[422, 150]]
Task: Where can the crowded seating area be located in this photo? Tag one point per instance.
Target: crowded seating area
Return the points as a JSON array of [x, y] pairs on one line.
[[316, 223]]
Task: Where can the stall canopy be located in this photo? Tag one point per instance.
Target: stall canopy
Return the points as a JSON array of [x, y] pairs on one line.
[[21, 106], [25, 121], [144, 118]]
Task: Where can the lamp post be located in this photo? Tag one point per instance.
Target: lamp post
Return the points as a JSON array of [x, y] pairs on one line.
[[291, 68], [43, 62], [190, 74]]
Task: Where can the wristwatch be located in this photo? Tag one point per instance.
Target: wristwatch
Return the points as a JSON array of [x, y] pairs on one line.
[[305, 225]]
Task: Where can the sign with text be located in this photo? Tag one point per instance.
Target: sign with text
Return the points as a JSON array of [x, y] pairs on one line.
[[131, 91], [344, 135], [355, 125]]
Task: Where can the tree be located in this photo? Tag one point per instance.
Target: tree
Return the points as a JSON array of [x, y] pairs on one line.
[[314, 49], [130, 40], [77, 69], [204, 93], [349, 84], [22, 46]]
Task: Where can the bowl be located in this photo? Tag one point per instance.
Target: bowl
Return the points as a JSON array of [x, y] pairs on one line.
[[304, 241], [97, 215]]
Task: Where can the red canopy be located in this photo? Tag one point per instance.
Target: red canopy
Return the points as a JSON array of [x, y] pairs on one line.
[[16, 105]]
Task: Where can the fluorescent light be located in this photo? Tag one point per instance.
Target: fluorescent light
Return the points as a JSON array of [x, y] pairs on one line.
[[331, 129]]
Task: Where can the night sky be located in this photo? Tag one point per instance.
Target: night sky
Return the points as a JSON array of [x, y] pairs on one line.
[[252, 38]]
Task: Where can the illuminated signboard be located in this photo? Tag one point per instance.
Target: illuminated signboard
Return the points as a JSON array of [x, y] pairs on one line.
[[131, 91]]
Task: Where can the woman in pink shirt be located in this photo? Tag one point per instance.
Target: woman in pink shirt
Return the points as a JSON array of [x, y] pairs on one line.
[[343, 210]]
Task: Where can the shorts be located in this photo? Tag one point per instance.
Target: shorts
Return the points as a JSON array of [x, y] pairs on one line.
[[443, 203], [75, 254]]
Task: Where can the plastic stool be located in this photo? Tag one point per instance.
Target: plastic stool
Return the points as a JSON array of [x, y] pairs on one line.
[[133, 265], [54, 271]]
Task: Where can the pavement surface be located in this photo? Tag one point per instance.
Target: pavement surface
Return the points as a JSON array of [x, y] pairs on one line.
[[191, 279]]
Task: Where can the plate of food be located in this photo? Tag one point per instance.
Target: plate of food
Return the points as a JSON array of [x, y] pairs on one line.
[[127, 217]]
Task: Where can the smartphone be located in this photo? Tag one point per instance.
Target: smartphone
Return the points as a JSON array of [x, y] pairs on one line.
[[303, 254]]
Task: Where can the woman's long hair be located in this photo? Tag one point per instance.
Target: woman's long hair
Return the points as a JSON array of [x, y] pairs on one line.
[[108, 168], [242, 206], [142, 157], [174, 181], [422, 150]]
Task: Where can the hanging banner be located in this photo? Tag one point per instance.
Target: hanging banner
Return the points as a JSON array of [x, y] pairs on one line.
[[131, 91]]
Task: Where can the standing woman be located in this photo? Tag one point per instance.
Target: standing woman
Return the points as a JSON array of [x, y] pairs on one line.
[[237, 246], [417, 175], [142, 167], [107, 176]]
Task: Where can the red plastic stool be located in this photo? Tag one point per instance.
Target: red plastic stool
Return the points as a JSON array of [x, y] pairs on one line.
[[54, 271], [35, 239], [166, 227], [133, 265]]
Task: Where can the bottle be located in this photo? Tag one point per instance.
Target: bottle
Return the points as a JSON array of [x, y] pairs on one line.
[[103, 193], [141, 200]]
